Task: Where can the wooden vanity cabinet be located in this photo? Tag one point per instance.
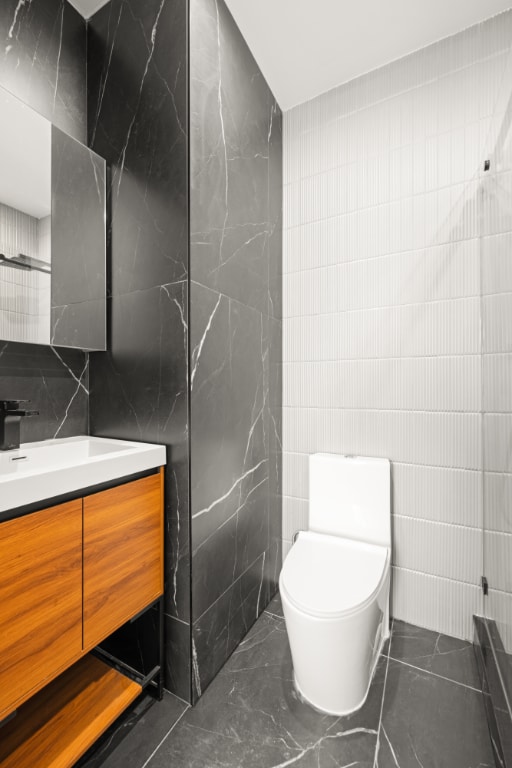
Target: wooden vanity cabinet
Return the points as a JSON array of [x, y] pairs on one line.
[[40, 600], [123, 554], [69, 576]]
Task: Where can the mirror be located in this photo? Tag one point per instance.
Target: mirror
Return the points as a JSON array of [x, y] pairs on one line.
[[52, 233]]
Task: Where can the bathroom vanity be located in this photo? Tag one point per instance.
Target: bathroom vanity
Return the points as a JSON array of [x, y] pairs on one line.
[[73, 570]]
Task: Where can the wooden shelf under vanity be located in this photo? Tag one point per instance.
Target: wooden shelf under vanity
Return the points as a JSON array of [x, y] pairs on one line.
[[58, 725]]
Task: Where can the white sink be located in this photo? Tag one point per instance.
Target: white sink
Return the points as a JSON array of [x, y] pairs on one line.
[[39, 471]]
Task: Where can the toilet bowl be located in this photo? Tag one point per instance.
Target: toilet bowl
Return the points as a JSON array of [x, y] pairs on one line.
[[335, 582]]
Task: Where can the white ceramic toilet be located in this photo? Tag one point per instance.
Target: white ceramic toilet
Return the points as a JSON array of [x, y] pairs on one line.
[[335, 581]]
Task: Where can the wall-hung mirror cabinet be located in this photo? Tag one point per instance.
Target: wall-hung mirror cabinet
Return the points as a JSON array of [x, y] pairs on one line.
[[52, 233]]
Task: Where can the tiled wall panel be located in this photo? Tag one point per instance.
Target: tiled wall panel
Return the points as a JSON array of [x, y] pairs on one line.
[[433, 602], [235, 338], [387, 214], [137, 110]]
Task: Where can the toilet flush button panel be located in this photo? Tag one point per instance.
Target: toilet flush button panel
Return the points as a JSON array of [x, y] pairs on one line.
[[350, 496]]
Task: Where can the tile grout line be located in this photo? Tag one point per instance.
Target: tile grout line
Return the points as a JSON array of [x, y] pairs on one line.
[[435, 674], [377, 743], [165, 737]]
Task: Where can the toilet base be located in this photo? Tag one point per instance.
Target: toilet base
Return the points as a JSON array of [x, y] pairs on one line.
[[304, 699]]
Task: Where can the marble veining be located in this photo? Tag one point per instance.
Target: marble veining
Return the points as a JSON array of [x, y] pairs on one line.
[[251, 716], [137, 91], [80, 387], [235, 337]]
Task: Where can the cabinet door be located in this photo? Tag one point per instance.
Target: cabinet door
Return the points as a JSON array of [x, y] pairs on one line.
[[123, 555], [40, 600]]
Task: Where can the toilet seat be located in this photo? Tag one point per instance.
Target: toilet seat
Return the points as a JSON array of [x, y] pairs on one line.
[[328, 577]]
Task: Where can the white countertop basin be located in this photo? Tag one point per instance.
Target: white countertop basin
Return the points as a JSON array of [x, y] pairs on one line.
[[39, 471]]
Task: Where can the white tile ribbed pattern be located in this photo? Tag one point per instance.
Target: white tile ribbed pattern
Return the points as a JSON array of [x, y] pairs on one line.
[[438, 494], [415, 437], [434, 602], [388, 214], [498, 502], [498, 547], [450, 551], [295, 516], [25, 296]]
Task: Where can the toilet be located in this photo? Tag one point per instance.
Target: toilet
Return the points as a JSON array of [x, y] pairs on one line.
[[334, 583]]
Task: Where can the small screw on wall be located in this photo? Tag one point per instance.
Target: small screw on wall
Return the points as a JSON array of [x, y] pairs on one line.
[[487, 165]]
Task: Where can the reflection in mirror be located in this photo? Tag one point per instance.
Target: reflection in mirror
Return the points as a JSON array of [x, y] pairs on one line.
[[25, 223], [52, 233]]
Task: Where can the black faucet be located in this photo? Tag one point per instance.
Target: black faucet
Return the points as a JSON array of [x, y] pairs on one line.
[[10, 420]]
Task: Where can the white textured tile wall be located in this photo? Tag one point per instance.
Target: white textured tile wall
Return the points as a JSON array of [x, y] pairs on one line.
[[388, 214], [25, 297]]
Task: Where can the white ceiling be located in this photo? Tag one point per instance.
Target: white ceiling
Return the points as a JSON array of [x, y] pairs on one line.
[[87, 7], [306, 47]]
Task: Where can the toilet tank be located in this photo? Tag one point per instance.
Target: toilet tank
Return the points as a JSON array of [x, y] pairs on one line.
[[350, 496]]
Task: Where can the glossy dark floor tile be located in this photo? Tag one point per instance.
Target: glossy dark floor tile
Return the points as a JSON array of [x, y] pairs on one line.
[[133, 738], [275, 606], [440, 654], [431, 722], [251, 716]]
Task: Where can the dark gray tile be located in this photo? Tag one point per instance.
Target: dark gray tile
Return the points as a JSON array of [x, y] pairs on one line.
[[219, 630], [251, 715], [275, 294], [430, 721], [229, 439], [177, 657], [44, 60], [137, 121], [230, 138], [228, 384], [275, 606], [235, 335], [55, 381], [435, 652], [489, 653], [131, 740]]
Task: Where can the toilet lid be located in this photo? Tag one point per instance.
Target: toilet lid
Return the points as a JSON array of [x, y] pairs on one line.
[[327, 575]]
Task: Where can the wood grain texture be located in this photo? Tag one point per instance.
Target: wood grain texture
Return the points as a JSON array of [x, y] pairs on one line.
[[40, 600], [57, 726], [123, 563]]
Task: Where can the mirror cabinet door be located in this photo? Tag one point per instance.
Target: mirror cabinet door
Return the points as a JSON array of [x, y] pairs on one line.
[[78, 307], [52, 233]]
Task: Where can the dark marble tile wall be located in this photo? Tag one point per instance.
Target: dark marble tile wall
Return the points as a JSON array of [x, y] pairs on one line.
[[137, 91], [43, 62], [235, 338]]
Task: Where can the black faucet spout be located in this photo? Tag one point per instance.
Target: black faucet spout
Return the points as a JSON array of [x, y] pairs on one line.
[[10, 422]]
